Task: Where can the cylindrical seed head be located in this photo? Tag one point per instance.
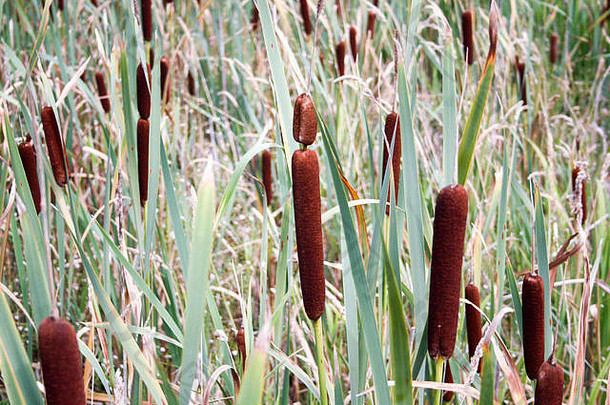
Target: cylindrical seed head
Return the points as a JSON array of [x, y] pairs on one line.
[[448, 395], [473, 319], [553, 47], [190, 82], [143, 135], [306, 16], [27, 153], [532, 304], [549, 387], [55, 146], [308, 223], [353, 41], [391, 130], [370, 24], [146, 9], [449, 230], [143, 89], [241, 344], [61, 363], [102, 91], [166, 83], [521, 79], [267, 176], [304, 122], [468, 36], [341, 58]]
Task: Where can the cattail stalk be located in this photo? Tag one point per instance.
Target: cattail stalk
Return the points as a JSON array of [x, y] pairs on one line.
[[55, 146], [143, 89], [553, 47], [449, 230], [27, 153], [392, 132], [341, 58], [473, 319], [549, 387], [146, 10], [306, 17], [102, 91], [61, 363], [143, 135], [353, 42], [468, 36], [532, 297], [267, 176]]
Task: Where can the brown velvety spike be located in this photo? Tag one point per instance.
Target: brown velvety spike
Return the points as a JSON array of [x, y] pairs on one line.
[[448, 395], [521, 79], [370, 24], [151, 56], [392, 124], [267, 176], [549, 387], [241, 345], [102, 91], [473, 319], [306, 16], [143, 91], [94, 2], [532, 297], [61, 363], [60, 4], [304, 122], [308, 223], [143, 135], [341, 58], [468, 36], [353, 41], [27, 153], [339, 8], [583, 193], [190, 83], [553, 47], [165, 78], [449, 230], [255, 19], [55, 146], [147, 24]]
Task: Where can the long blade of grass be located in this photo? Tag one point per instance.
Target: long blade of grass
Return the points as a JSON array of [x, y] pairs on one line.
[[542, 259], [449, 113]]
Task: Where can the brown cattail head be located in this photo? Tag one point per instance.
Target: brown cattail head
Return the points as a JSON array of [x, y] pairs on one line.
[[468, 36], [549, 387], [353, 41], [553, 47], [532, 297], [240, 337], [521, 79], [102, 91], [304, 122], [308, 223], [449, 230], [151, 56], [579, 190], [306, 16], [60, 4], [267, 177], [255, 19], [28, 159], [166, 81], [339, 8], [392, 131], [341, 58], [370, 24], [190, 82], [473, 319], [61, 363], [146, 9], [448, 395], [143, 135], [143, 89], [55, 146], [94, 2]]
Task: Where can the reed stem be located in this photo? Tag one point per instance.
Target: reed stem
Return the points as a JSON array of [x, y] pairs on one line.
[[320, 360]]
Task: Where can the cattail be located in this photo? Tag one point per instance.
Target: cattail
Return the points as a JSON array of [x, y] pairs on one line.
[[60, 4], [447, 250], [61, 363], [190, 80], [241, 345], [521, 79], [308, 223], [94, 2], [448, 395], [102, 92], [142, 87], [165, 78], [579, 188], [304, 122], [549, 387], [532, 297], [146, 9], [473, 319], [370, 24], [55, 146], [467, 36], [553, 47], [255, 19], [28, 159], [143, 134], [339, 9], [267, 177], [306, 16], [151, 56], [341, 58], [353, 44], [392, 130]]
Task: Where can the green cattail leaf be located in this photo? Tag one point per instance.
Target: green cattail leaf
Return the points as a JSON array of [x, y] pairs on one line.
[[487, 379], [251, 391]]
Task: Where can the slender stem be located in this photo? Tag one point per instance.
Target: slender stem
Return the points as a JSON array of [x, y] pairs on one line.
[[320, 359], [438, 377]]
